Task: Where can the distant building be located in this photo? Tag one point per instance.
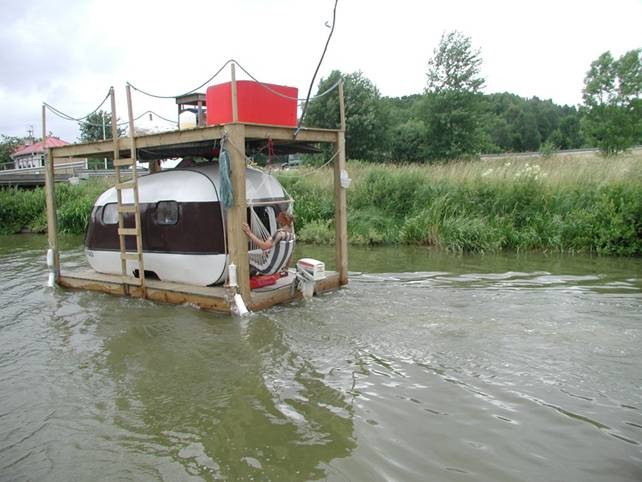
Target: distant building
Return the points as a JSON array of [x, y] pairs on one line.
[[32, 155]]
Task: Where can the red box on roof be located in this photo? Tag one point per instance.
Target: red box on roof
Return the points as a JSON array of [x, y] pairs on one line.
[[256, 104]]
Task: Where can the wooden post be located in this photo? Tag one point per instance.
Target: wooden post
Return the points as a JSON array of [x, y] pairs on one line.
[[132, 154], [237, 242], [119, 194], [342, 109], [235, 105], [50, 196], [341, 209]]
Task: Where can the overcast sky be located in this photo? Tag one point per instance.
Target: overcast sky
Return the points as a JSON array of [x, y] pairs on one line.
[[68, 52]]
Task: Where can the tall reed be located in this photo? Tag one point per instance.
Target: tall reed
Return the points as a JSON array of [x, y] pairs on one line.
[[559, 204], [570, 204], [25, 210]]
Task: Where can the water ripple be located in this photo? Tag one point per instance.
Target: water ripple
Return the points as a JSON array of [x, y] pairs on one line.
[[459, 368]]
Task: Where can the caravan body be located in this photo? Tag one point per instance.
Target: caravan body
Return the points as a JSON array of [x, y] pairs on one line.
[[182, 223]]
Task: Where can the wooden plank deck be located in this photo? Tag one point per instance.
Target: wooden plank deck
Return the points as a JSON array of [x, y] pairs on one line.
[[209, 298]]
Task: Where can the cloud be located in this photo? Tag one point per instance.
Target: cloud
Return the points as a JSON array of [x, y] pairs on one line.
[[68, 52], [49, 43]]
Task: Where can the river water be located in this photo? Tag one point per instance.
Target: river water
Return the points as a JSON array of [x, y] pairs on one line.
[[428, 366]]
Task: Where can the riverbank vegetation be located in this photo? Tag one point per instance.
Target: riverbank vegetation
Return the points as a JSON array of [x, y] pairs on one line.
[[24, 210], [581, 204], [588, 203]]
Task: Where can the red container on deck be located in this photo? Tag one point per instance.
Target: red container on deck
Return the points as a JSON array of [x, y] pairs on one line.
[[256, 104], [261, 280]]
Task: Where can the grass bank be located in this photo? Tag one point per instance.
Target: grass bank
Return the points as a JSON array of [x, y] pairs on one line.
[[563, 204], [25, 209]]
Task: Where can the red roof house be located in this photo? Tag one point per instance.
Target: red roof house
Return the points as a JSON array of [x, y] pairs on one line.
[[32, 155]]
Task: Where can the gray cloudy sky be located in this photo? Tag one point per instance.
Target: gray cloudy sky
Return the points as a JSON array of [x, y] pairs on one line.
[[68, 52]]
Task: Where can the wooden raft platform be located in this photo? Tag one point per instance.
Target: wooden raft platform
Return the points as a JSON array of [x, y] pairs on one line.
[[205, 297], [240, 139]]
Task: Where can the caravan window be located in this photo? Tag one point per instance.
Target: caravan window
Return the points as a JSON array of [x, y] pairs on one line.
[[167, 212], [110, 214], [97, 214]]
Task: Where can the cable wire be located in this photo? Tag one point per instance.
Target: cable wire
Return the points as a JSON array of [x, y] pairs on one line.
[[59, 113], [325, 49], [186, 93], [262, 84], [298, 99], [118, 124]]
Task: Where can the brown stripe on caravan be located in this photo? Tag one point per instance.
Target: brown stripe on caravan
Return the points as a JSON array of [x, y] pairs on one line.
[[199, 230]]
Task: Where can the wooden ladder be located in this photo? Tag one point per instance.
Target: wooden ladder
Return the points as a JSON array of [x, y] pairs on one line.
[[123, 184]]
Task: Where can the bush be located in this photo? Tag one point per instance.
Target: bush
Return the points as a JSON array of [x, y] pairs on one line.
[[22, 209], [317, 232], [589, 205]]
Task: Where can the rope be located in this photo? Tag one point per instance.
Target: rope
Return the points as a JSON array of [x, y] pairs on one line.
[[119, 124], [61, 114], [307, 173], [186, 93], [227, 194], [305, 107], [298, 99], [154, 113], [262, 84], [256, 254]]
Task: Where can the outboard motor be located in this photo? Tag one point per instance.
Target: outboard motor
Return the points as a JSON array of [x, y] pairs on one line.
[[308, 271]]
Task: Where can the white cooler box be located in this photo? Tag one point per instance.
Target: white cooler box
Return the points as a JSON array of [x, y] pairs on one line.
[[313, 268]]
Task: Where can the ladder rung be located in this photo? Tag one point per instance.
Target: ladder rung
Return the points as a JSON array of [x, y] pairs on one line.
[[126, 208], [125, 185], [123, 162], [130, 256], [127, 232], [130, 280]]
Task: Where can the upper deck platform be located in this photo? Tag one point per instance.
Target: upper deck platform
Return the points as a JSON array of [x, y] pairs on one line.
[[201, 141]]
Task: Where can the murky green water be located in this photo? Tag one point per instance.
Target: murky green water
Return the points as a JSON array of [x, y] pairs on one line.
[[427, 367]]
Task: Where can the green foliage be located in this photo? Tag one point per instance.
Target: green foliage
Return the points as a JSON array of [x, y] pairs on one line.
[[313, 202], [590, 205], [612, 101], [408, 142], [399, 110], [20, 209], [453, 125], [317, 232], [515, 124], [91, 129], [451, 110], [25, 210], [452, 119], [455, 66], [8, 144], [548, 148], [366, 125]]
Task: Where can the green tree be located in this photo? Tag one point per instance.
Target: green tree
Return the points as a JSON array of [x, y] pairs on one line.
[[516, 124], [452, 109], [612, 105], [366, 123], [8, 144], [91, 129], [408, 142], [455, 65]]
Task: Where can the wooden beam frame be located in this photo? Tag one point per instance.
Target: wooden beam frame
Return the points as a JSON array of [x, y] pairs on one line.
[[50, 197], [341, 209], [175, 138], [237, 242], [236, 135]]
